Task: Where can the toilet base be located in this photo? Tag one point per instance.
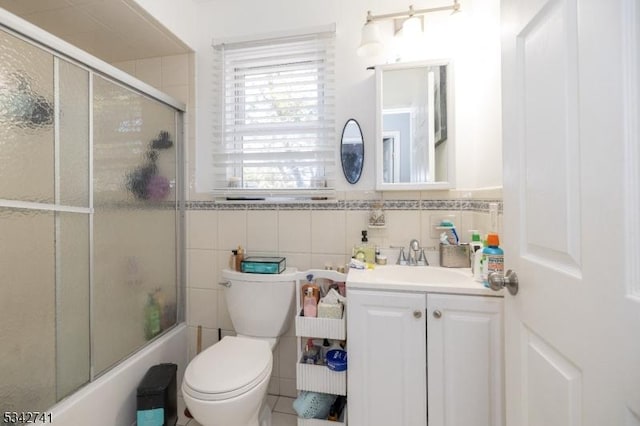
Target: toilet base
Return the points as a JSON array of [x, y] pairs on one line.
[[265, 415]]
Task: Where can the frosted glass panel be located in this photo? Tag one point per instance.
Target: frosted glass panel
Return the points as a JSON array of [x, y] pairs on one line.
[[27, 310], [26, 121], [72, 302], [134, 221], [74, 134]]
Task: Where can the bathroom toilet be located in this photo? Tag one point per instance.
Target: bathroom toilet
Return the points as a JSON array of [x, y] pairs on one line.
[[226, 384]]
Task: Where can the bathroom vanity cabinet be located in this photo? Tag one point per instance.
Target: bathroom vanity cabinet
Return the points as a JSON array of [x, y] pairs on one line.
[[424, 358]]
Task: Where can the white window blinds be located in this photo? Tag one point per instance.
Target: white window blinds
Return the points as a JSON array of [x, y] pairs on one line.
[[274, 132]]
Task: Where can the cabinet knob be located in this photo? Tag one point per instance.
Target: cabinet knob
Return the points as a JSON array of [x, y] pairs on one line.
[[417, 314], [437, 314]]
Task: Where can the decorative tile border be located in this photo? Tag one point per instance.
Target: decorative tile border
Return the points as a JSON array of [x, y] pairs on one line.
[[459, 204]]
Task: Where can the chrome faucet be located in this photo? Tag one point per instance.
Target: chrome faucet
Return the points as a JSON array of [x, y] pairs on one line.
[[415, 258]]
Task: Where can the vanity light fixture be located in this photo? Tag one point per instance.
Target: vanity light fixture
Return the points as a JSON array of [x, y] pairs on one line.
[[409, 23]]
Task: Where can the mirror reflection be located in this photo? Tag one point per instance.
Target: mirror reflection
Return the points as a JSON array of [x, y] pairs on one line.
[[352, 151], [413, 125]]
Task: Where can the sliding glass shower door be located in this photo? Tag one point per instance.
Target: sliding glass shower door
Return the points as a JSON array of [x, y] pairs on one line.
[[88, 223]]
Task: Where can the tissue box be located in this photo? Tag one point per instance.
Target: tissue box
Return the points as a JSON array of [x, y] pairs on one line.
[[330, 310], [264, 265]]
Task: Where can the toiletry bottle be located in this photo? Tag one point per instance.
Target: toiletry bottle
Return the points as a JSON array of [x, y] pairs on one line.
[[232, 259], [492, 258], [310, 304], [239, 258], [365, 252], [151, 317], [476, 255]]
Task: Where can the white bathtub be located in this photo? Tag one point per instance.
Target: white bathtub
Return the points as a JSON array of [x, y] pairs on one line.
[[111, 399]]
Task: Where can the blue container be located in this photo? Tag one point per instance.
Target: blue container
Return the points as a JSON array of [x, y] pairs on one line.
[[492, 258], [337, 360]]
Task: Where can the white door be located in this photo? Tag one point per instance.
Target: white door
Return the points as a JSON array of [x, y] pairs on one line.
[[571, 218], [386, 333], [465, 385]]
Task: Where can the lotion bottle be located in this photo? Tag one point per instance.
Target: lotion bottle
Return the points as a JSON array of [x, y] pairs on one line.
[[310, 304]]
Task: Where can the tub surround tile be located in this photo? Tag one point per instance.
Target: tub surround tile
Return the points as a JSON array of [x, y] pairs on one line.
[[202, 229], [262, 231], [209, 338], [150, 71], [232, 229], [175, 69], [179, 92], [300, 261], [322, 261], [202, 269], [402, 227], [294, 231], [328, 231], [203, 307], [287, 356], [224, 320]]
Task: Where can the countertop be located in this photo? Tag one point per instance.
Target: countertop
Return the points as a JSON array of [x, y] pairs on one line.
[[426, 279]]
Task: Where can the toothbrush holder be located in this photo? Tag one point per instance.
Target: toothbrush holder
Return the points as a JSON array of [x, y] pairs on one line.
[[455, 256]]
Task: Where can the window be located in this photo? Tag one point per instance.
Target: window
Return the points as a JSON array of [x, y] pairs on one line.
[[275, 129]]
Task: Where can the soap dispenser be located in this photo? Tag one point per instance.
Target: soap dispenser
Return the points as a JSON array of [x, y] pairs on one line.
[[310, 304], [365, 252]]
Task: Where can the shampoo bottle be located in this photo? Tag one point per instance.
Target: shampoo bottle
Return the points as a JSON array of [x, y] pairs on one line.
[[492, 258], [151, 317]]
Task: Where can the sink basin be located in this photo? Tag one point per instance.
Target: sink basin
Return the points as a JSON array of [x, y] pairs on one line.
[[418, 274], [431, 279]]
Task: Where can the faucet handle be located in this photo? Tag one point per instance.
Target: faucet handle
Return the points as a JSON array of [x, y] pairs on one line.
[[402, 258], [422, 258]]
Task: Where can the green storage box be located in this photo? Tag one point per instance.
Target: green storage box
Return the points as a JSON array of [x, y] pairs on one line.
[[264, 265]]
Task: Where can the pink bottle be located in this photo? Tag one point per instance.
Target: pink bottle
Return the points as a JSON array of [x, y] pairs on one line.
[[310, 305]]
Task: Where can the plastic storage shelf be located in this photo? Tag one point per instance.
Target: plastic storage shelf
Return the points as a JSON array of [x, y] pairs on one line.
[[317, 422], [319, 378], [329, 328]]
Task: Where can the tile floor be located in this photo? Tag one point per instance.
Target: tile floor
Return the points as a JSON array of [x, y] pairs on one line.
[[281, 411]]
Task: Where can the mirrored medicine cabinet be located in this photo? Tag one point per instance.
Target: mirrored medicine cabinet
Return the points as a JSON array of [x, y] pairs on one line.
[[414, 144]]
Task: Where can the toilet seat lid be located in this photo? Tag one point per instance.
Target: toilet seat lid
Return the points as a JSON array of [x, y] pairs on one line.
[[229, 368]]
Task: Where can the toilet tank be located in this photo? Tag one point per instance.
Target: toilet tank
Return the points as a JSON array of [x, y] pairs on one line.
[[260, 305]]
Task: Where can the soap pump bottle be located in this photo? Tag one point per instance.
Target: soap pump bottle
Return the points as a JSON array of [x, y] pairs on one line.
[[476, 255], [365, 252], [310, 304], [492, 258]]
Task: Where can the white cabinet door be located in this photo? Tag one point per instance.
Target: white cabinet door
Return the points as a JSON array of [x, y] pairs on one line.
[[387, 358], [465, 370]]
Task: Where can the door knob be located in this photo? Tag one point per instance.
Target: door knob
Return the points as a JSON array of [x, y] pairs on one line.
[[437, 314], [417, 314], [497, 281]]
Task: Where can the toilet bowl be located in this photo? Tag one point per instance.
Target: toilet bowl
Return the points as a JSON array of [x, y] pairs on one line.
[[225, 385]]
